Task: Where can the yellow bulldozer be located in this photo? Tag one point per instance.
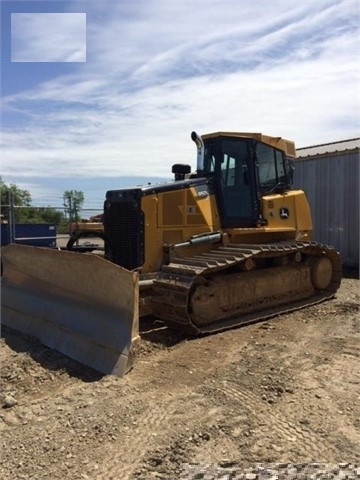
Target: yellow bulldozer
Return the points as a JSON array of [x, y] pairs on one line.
[[226, 245], [85, 230]]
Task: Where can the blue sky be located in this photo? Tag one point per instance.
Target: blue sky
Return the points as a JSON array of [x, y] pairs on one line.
[[104, 94]]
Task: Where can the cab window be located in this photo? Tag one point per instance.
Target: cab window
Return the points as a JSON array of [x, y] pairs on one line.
[[270, 164]]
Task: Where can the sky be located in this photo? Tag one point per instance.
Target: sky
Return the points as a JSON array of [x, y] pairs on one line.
[[99, 95]]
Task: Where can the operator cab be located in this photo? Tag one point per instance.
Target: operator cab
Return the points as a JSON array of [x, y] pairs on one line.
[[245, 167]]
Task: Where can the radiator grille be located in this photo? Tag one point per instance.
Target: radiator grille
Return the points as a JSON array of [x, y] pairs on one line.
[[124, 232]]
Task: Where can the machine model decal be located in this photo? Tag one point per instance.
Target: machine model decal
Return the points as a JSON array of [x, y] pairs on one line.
[[202, 191]]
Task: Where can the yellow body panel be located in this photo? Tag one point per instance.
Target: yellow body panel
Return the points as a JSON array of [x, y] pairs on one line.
[[153, 237], [88, 227], [287, 216], [289, 210], [175, 216]]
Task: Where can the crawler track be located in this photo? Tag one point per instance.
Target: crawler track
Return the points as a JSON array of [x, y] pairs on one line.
[[175, 289]]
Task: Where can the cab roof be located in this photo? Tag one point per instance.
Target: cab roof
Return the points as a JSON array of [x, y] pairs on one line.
[[286, 146]]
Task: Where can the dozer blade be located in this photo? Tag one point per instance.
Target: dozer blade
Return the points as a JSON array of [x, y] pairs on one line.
[[79, 304]]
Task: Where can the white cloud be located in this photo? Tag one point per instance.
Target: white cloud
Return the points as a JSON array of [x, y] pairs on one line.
[[48, 37], [157, 72]]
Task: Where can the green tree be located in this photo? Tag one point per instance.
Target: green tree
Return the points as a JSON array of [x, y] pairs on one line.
[[43, 215], [73, 201], [17, 196], [23, 211]]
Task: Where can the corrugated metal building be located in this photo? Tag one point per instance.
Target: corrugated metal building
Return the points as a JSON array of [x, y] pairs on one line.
[[329, 175]]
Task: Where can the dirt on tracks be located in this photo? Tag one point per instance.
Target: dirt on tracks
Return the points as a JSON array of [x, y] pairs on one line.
[[285, 390]]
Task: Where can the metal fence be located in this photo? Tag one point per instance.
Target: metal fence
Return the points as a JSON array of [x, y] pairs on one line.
[[331, 184], [40, 234]]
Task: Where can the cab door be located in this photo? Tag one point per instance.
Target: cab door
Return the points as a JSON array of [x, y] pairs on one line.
[[236, 184]]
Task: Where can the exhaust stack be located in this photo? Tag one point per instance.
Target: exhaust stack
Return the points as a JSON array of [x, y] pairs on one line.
[[200, 151]]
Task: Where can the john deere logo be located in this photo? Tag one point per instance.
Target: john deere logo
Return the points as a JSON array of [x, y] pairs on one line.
[[284, 213]]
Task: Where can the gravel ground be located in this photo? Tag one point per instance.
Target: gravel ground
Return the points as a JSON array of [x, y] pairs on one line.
[[274, 400]]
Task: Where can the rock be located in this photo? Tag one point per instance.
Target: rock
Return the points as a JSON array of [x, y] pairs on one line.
[[251, 476], [9, 401], [292, 472], [304, 421], [199, 475]]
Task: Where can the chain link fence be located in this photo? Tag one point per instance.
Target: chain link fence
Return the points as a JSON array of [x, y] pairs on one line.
[[40, 226]]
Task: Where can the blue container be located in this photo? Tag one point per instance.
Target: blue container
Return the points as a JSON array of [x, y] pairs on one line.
[[4, 234], [34, 234]]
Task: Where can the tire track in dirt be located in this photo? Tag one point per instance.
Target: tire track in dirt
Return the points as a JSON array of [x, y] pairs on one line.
[[154, 423], [352, 349], [313, 446]]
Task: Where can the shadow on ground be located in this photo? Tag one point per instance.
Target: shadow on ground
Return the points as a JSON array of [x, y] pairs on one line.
[[49, 359], [155, 331]]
